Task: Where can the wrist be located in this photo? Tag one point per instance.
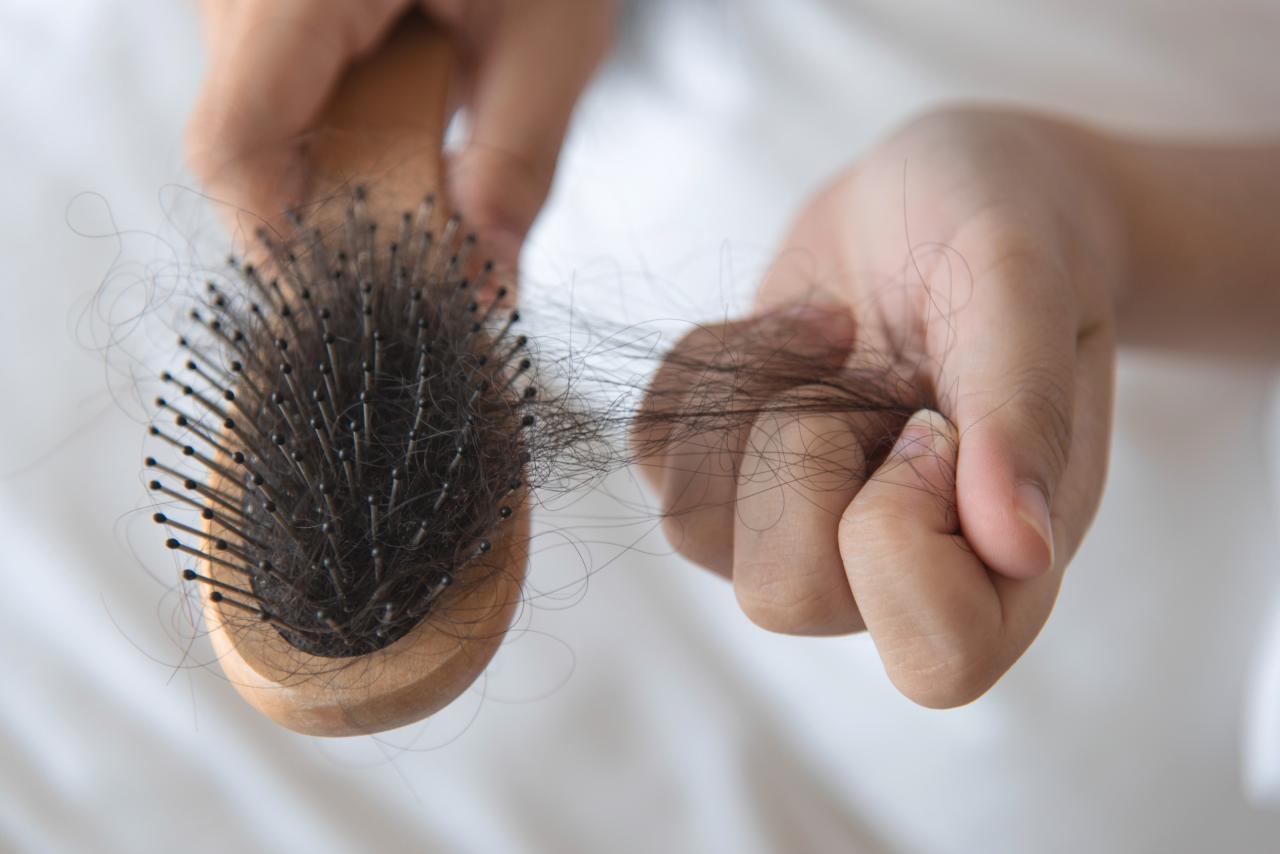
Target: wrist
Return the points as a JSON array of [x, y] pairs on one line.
[[1105, 219], [1196, 229]]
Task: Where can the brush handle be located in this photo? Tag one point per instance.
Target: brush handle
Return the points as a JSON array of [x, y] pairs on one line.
[[384, 125]]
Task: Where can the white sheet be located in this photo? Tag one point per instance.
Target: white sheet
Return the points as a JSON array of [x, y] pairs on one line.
[[638, 712]]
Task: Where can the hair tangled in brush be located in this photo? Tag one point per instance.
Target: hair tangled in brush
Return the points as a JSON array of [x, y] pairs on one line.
[[363, 419], [357, 417]]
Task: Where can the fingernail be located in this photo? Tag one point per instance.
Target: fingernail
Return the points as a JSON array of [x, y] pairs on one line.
[[1032, 505], [915, 440]]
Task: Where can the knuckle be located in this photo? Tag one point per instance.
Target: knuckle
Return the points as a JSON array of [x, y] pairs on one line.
[[772, 451], [808, 447], [499, 191], [940, 673], [786, 604], [882, 530], [698, 542]]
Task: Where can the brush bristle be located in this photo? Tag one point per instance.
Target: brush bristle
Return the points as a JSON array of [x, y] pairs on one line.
[[356, 422]]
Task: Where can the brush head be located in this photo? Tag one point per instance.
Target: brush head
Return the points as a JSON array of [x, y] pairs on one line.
[[352, 417]]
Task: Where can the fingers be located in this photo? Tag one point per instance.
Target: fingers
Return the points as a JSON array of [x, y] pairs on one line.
[[274, 65], [1012, 375], [531, 68], [214, 16], [928, 602], [799, 471], [946, 627], [698, 414]]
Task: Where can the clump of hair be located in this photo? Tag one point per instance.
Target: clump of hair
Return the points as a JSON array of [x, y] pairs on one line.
[[357, 409]]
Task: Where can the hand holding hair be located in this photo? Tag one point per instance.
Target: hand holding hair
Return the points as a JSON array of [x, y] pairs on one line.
[[990, 261]]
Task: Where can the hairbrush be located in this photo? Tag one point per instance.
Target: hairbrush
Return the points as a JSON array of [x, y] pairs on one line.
[[350, 416]]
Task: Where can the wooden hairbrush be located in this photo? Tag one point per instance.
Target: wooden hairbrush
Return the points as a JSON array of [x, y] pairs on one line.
[[358, 406]]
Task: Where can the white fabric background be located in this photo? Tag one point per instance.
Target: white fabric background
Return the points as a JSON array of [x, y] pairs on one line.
[[640, 711]]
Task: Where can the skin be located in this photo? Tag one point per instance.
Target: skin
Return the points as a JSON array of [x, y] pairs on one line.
[[999, 258], [1034, 248], [274, 64]]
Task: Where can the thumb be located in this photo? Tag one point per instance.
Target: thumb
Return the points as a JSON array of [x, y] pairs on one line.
[[1014, 399], [274, 67]]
